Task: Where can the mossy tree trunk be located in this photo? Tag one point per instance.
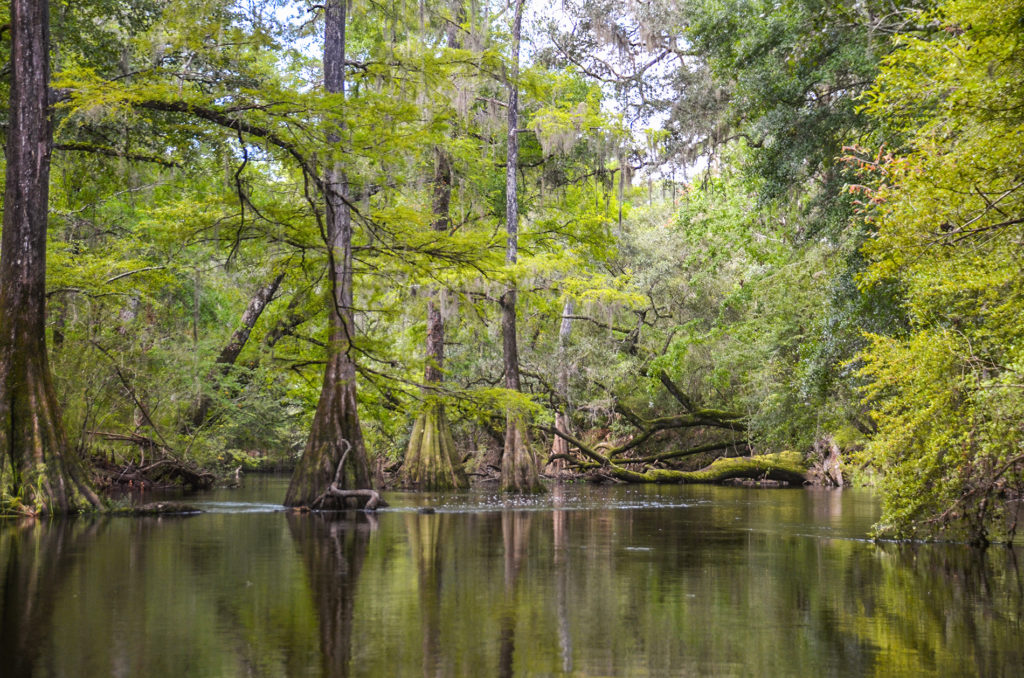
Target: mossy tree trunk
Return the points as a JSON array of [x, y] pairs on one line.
[[336, 437], [38, 469], [518, 461], [431, 460]]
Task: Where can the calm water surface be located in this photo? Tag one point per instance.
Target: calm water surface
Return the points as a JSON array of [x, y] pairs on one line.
[[622, 581]]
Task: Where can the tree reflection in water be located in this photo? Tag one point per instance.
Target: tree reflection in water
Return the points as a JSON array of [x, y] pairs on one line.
[[515, 530], [34, 555], [333, 546]]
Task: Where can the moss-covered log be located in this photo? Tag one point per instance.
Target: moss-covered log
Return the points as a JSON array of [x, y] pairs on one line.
[[783, 466], [431, 461]]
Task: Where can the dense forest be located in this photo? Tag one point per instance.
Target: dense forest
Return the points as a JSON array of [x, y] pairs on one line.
[[411, 244]]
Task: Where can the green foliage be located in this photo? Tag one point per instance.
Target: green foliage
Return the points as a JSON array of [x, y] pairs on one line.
[[190, 137], [947, 214]]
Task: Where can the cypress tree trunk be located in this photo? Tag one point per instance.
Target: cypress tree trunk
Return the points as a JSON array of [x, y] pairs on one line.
[[431, 461], [518, 463], [336, 437], [36, 465]]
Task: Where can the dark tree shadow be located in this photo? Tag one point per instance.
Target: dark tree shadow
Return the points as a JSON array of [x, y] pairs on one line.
[[333, 546], [35, 556]]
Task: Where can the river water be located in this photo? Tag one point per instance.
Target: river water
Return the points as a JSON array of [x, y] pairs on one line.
[[586, 581]]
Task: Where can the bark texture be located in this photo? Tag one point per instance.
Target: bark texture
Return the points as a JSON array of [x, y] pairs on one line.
[[40, 473], [518, 461], [431, 460], [336, 438]]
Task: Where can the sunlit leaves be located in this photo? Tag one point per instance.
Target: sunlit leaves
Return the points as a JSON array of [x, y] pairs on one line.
[[948, 222]]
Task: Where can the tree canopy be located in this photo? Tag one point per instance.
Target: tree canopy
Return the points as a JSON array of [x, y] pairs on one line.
[[708, 229]]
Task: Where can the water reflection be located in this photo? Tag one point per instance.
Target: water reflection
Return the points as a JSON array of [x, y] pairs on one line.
[[333, 547], [560, 541], [34, 557], [689, 581]]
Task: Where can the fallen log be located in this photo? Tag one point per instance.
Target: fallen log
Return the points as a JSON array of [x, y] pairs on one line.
[[163, 473], [786, 467]]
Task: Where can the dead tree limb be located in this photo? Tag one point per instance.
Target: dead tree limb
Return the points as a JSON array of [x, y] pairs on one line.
[[671, 387], [373, 498]]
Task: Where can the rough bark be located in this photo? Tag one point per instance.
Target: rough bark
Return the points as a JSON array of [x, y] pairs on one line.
[[229, 354], [38, 469], [518, 462], [336, 437], [431, 460], [828, 468]]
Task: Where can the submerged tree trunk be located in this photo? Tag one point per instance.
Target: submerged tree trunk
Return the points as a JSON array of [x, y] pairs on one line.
[[229, 354], [518, 462], [431, 461], [37, 468], [336, 439]]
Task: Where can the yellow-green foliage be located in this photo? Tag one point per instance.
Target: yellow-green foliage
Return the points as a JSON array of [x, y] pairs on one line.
[[948, 396]]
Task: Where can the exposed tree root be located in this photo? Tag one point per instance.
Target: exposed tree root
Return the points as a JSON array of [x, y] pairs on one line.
[[369, 499]]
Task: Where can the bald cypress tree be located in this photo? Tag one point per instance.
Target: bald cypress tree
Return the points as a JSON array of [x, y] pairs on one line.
[[39, 471]]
